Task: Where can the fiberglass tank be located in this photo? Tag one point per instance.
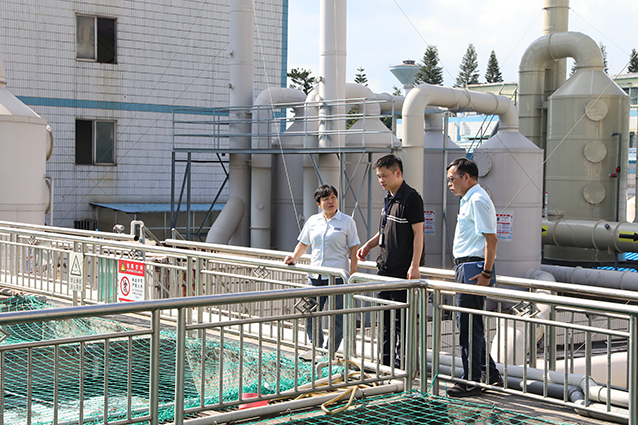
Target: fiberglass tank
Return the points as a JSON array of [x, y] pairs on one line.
[[25, 144], [582, 154]]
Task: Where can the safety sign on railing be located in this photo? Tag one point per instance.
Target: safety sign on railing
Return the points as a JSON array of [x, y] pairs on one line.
[[76, 271], [130, 278]]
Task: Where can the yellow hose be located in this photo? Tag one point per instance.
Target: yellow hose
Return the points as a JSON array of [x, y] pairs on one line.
[[352, 390]]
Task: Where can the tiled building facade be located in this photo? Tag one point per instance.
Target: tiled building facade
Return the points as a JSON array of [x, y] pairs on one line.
[[107, 75]]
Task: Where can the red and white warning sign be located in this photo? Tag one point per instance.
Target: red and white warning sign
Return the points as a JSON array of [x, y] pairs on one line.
[[130, 278]]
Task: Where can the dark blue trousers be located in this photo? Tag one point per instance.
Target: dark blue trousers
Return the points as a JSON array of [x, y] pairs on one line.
[[475, 302], [338, 318]]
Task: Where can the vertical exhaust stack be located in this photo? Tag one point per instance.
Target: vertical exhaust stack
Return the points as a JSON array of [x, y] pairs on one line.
[[555, 20], [24, 147], [332, 69], [241, 94]]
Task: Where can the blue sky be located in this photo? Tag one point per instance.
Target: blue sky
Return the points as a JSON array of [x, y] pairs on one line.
[[382, 33]]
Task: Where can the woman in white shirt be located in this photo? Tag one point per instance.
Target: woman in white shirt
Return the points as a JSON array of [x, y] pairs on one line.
[[331, 236]]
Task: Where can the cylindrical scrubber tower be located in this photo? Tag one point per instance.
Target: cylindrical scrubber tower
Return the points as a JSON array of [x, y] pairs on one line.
[[435, 234], [510, 169], [23, 156], [583, 154]]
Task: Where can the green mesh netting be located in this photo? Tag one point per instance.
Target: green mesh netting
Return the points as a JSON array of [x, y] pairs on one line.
[[410, 408], [29, 375]]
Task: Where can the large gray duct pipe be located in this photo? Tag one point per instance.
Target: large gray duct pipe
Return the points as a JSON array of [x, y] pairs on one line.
[[413, 124], [602, 235], [548, 48], [241, 94], [261, 175], [226, 222], [625, 280]]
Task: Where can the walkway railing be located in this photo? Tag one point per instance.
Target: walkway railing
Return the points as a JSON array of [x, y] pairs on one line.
[[549, 347]]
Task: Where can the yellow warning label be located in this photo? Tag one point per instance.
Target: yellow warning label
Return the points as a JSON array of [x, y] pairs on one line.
[[544, 230]]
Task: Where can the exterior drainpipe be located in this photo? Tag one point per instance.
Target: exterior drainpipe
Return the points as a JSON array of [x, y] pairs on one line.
[[548, 48], [241, 94], [261, 175], [428, 95]]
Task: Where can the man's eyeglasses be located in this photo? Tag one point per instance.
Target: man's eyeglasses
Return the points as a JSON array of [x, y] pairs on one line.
[[451, 178]]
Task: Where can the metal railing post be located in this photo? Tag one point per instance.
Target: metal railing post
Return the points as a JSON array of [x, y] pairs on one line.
[[153, 392], [423, 338], [180, 361], [436, 341], [632, 384], [411, 337]]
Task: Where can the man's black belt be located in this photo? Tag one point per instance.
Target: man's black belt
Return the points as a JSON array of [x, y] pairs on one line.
[[460, 260]]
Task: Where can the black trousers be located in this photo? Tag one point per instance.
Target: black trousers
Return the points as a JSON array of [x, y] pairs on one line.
[[392, 349]]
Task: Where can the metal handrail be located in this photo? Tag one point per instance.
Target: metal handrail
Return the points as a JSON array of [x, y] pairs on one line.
[[383, 283]]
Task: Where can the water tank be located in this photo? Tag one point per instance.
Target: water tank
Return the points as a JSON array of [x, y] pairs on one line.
[[582, 154], [23, 155], [510, 170]]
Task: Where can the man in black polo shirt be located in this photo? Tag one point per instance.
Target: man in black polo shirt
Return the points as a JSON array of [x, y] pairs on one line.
[[400, 242]]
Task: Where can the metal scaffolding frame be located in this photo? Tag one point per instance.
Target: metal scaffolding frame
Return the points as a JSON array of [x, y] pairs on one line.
[[198, 131]]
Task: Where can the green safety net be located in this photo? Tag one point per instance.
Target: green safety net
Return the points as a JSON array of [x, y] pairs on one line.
[[30, 376], [410, 408]]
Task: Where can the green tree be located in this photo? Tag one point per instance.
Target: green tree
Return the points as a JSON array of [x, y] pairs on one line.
[[493, 73], [633, 61], [360, 77], [396, 91], [603, 50], [468, 73], [301, 79], [430, 71]]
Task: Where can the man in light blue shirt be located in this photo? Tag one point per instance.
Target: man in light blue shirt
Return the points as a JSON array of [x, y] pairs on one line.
[[331, 236], [475, 239]]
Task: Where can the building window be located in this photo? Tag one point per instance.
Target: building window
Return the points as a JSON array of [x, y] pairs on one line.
[[96, 39], [94, 142], [633, 95]]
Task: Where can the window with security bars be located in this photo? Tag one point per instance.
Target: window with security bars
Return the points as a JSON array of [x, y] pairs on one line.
[[94, 142], [96, 39]]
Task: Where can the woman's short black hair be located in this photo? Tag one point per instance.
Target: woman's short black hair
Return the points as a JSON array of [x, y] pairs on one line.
[[323, 191]]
